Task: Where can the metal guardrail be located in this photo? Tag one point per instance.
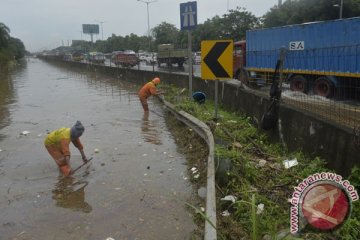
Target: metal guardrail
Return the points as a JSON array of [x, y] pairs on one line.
[[204, 132]]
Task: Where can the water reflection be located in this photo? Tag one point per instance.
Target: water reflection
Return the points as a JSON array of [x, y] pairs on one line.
[[150, 130], [69, 193], [7, 93]]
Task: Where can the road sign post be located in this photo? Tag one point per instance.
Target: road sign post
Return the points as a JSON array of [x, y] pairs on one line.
[[188, 21], [217, 63], [190, 64]]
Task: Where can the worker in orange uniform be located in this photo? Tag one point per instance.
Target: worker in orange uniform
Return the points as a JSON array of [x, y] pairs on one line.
[[57, 143], [147, 90]]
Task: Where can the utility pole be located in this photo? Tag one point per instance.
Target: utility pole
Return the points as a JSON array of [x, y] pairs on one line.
[[102, 30], [341, 9], [148, 18], [280, 3]]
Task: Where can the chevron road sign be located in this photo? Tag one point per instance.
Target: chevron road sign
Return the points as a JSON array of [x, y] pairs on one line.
[[188, 15], [217, 58]]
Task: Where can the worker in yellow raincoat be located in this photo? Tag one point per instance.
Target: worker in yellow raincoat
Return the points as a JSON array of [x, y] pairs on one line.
[[57, 143], [147, 90]]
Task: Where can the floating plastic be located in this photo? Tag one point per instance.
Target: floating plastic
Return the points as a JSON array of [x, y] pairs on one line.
[[24, 133]]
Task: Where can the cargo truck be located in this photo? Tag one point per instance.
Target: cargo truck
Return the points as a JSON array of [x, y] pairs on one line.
[[169, 55], [125, 59], [322, 58]]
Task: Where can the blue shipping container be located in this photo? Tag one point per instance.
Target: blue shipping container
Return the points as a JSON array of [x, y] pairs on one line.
[[329, 48]]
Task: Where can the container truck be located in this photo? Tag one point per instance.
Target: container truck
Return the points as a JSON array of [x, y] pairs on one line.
[[125, 59], [322, 58], [169, 55]]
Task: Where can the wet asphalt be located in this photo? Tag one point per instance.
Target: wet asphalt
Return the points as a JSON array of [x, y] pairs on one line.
[[134, 188]]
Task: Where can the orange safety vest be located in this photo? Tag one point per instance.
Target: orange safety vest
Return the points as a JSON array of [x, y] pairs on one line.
[[147, 90]]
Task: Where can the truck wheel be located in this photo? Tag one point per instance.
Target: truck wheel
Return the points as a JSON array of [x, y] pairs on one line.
[[324, 87], [298, 84]]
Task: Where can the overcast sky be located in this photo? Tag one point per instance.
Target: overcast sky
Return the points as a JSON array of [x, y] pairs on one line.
[[46, 24]]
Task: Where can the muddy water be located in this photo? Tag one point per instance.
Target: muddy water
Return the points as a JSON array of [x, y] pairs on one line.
[[134, 187]]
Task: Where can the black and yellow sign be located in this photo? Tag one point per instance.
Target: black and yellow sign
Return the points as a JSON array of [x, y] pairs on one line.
[[217, 59]]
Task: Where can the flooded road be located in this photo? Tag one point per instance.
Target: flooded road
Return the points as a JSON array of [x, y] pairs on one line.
[[134, 188]]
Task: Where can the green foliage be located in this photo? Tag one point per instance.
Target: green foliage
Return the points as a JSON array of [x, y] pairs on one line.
[[165, 33], [4, 35], [10, 48], [241, 144], [232, 25], [301, 11]]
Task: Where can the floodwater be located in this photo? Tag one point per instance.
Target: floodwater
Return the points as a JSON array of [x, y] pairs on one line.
[[134, 188]]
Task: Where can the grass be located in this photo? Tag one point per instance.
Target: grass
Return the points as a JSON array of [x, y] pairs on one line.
[[250, 167]]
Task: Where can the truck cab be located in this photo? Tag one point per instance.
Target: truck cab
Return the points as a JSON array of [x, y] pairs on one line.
[[239, 58]]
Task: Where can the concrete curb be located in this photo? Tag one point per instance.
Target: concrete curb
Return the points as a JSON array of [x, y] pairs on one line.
[[203, 130]]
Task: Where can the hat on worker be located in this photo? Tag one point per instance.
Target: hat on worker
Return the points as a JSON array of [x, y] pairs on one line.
[[77, 130], [156, 81]]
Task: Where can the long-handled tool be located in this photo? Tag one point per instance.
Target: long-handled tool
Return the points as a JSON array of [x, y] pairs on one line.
[[73, 171]]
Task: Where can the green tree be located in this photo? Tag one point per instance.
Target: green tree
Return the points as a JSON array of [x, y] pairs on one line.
[[301, 11], [17, 48], [4, 35], [165, 33], [230, 26]]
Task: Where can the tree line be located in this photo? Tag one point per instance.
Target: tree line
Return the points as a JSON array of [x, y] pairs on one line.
[[232, 25], [10, 48]]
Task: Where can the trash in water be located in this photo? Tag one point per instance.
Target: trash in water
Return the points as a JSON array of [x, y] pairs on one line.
[[202, 209], [230, 198], [144, 155], [290, 163], [260, 208], [1, 150], [194, 170], [102, 164], [24, 133], [110, 238], [96, 150], [164, 153], [197, 176], [39, 135], [225, 213], [148, 167]]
